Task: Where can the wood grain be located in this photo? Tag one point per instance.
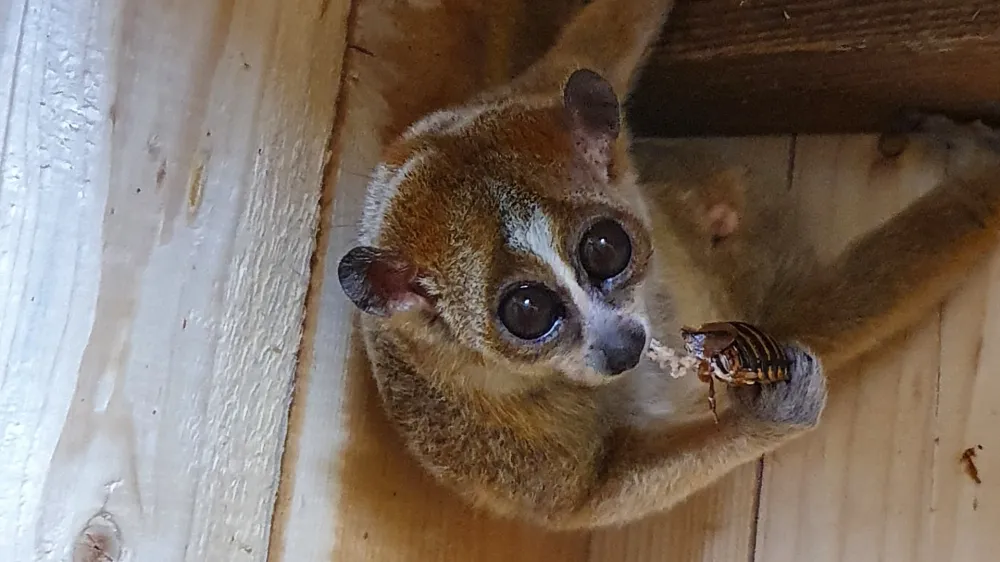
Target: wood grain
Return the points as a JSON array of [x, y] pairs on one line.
[[160, 176], [706, 29], [964, 515], [714, 524], [754, 67], [881, 479]]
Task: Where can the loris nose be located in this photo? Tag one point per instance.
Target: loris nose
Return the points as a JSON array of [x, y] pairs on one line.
[[623, 350]]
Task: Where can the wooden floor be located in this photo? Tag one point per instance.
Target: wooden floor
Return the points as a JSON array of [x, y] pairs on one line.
[[178, 375]]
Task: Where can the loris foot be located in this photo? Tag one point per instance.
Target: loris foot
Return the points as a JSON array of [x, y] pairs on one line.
[[720, 221], [719, 204], [799, 401], [965, 149]]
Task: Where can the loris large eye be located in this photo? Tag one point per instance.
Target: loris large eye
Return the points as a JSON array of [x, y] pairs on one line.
[[605, 250], [530, 311]]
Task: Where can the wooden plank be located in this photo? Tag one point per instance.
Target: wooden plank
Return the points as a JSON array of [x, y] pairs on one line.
[[829, 93], [731, 67], [964, 515], [706, 29], [160, 175], [717, 523], [349, 492], [714, 524], [869, 483]]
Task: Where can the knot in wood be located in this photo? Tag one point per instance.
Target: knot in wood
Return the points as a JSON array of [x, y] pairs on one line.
[[99, 541]]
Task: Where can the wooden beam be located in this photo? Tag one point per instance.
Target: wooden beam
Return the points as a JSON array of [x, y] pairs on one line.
[[731, 67], [160, 167]]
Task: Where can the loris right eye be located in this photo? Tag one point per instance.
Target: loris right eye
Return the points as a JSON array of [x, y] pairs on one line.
[[530, 311], [605, 250]]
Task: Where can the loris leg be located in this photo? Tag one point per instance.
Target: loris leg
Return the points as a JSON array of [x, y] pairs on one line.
[[702, 194], [895, 275]]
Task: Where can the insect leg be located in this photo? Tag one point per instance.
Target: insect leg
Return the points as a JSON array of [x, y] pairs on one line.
[[711, 399]]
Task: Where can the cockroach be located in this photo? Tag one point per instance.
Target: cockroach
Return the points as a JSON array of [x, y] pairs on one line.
[[736, 353]]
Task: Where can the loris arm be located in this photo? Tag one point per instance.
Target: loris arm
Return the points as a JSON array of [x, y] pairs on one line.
[[896, 274], [648, 471]]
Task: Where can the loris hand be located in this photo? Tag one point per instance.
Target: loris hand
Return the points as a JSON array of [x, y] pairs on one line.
[[799, 401]]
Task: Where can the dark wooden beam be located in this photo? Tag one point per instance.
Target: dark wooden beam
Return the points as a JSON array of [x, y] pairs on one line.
[[732, 67]]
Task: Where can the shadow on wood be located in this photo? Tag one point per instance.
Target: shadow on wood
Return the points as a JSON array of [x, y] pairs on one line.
[[739, 67]]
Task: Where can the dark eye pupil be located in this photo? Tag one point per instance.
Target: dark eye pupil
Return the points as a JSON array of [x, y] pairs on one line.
[[530, 311], [605, 250]]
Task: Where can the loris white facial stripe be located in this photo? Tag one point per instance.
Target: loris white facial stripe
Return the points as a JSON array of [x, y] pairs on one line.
[[534, 235]]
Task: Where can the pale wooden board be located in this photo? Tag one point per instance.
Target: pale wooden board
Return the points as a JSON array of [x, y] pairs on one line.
[[161, 166], [965, 516], [715, 524], [881, 479]]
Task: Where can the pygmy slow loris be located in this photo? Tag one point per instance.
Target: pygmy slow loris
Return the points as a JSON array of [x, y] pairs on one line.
[[518, 253]]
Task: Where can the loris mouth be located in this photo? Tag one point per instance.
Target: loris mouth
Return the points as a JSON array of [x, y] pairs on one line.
[[675, 363]]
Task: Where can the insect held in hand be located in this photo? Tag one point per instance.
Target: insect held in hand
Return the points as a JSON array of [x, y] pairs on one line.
[[736, 353]]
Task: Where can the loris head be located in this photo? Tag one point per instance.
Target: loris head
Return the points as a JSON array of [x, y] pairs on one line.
[[513, 232]]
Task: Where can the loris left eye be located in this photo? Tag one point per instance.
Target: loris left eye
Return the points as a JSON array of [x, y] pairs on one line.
[[605, 250]]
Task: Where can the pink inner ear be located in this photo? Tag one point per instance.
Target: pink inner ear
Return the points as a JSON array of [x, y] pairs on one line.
[[396, 281], [409, 302]]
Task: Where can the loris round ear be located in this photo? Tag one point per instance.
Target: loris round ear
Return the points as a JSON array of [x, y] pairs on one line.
[[594, 115], [381, 282]]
